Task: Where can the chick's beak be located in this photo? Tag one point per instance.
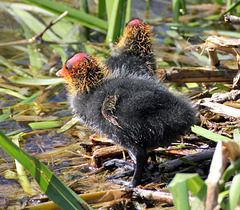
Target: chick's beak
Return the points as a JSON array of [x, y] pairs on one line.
[[60, 73]]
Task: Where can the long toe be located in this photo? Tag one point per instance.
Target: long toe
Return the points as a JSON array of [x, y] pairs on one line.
[[119, 163], [122, 174], [123, 182]]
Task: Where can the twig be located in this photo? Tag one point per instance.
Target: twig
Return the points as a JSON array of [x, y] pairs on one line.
[[232, 19], [221, 109], [203, 93], [170, 165], [37, 37], [198, 74], [218, 165], [229, 45], [233, 95], [236, 78], [111, 151], [164, 197], [213, 58]]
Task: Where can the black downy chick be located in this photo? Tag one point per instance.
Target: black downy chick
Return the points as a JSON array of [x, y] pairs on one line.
[[136, 112], [134, 49]]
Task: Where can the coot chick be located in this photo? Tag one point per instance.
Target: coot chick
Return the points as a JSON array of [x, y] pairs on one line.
[[136, 112], [134, 49]]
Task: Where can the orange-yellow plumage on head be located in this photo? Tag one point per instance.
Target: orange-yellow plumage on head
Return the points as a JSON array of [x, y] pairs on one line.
[[137, 36], [82, 71]]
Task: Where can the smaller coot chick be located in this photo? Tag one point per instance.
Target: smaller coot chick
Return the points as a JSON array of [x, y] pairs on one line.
[[134, 49], [136, 112]]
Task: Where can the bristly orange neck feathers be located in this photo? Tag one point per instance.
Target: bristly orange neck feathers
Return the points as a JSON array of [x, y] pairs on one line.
[[137, 37], [82, 72]]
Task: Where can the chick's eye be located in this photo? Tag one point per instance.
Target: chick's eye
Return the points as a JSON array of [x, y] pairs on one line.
[[68, 66]]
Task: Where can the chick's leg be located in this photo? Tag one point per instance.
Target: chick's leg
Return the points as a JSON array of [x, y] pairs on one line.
[[140, 158]]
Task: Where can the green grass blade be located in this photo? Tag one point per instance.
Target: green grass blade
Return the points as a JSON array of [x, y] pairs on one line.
[[38, 81], [229, 172], [175, 10], [180, 185], [195, 183], [109, 6], [12, 93], [230, 7], [84, 6], [4, 117], [208, 134], [101, 9], [44, 125], [222, 197], [118, 18], [204, 30], [178, 188], [234, 192], [113, 29], [198, 202], [73, 15], [236, 135], [183, 6], [31, 98], [84, 9], [220, 2], [199, 189], [22, 176], [128, 12], [62, 195], [68, 125], [31, 23], [14, 68]]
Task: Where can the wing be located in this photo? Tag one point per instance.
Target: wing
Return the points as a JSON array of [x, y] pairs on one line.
[[109, 107]]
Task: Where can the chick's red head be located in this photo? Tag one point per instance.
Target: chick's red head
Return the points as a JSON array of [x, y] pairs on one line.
[[81, 72], [135, 22], [71, 64]]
